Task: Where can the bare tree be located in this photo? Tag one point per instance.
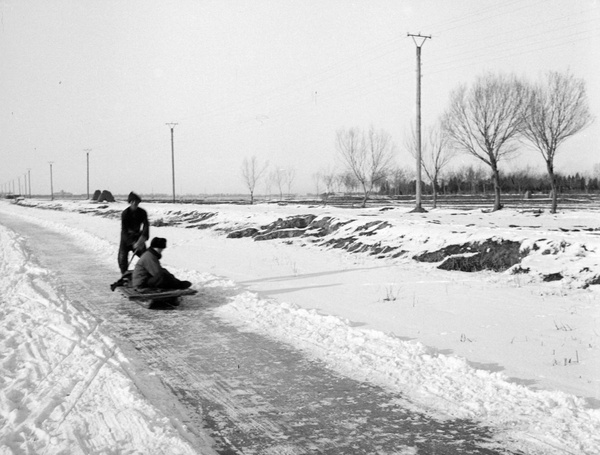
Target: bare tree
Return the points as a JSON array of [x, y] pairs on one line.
[[436, 153], [484, 121], [523, 179], [596, 171], [367, 156], [277, 176], [472, 175], [557, 109], [328, 177], [290, 176], [399, 178], [268, 185], [348, 181], [252, 172], [317, 179], [283, 178]]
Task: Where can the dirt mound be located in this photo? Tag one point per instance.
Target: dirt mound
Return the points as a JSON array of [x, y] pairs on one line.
[[106, 196], [496, 255], [294, 226]]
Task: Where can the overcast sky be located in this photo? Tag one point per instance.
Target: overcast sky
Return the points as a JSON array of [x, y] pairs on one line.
[[270, 78]]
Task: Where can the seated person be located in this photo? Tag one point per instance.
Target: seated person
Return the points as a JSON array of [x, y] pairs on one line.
[[148, 273]]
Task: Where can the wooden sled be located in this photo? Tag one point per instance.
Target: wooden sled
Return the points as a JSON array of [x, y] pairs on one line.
[[153, 298]]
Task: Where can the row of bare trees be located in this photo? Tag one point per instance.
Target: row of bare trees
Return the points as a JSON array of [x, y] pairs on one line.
[[489, 120], [492, 117], [367, 156], [253, 172], [471, 180], [282, 179]]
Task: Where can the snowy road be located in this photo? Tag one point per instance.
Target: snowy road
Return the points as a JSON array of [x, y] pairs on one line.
[[251, 394]]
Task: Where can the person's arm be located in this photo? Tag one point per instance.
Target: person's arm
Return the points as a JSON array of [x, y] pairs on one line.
[[146, 229], [144, 235]]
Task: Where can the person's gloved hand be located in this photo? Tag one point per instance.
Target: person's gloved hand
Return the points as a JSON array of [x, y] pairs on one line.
[[138, 244]]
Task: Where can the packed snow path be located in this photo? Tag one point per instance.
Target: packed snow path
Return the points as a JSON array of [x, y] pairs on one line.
[[252, 395]]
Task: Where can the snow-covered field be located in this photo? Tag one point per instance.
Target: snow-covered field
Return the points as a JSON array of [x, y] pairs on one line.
[[510, 349]]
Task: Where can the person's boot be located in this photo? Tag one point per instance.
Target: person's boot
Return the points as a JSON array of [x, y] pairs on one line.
[[184, 284]]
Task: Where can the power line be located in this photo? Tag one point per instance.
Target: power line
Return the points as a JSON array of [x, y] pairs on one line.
[[509, 45], [511, 53]]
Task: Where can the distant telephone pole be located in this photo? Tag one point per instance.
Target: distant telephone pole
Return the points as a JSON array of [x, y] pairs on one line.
[[51, 182], [87, 154], [419, 40], [172, 126]]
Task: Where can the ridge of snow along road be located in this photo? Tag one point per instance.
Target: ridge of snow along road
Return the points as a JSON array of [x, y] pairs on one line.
[[65, 386], [554, 421], [535, 421]]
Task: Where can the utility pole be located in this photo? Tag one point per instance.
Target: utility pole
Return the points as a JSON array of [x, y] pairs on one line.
[[419, 40], [172, 126], [87, 154], [51, 182], [29, 180]]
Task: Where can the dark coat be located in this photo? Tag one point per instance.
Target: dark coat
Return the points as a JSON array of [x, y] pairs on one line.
[[134, 223], [147, 267]]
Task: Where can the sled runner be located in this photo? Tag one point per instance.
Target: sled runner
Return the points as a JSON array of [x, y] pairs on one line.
[[155, 297]]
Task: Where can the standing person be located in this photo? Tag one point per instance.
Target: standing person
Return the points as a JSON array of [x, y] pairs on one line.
[[148, 273], [135, 230]]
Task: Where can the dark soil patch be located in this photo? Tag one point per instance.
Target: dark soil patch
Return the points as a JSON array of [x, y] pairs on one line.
[[297, 222], [248, 232], [280, 234], [477, 256], [496, 255], [324, 226], [552, 277], [592, 281], [372, 227], [201, 225], [196, 217], [295, 226], [343, 243]]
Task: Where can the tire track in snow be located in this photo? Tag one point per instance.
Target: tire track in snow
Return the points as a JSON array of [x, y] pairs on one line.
[[255, 396]]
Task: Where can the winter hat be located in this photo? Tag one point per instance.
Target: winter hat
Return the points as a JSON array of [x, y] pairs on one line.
[[133, 197], [158, 242]]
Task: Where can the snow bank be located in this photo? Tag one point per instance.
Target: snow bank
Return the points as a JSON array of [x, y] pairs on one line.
[[554, 421], [65, 386]]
